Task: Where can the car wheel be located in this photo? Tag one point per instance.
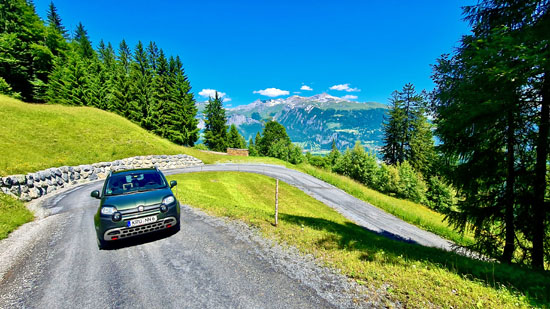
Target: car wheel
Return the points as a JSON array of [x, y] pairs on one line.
[[102, 244]]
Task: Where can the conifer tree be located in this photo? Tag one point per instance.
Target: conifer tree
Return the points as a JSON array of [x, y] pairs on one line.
[[407, 133], [252, 148], [185, 110], [122, 103], [25, 60], [84, 44], [215, 131], [54, 20], [235, 139], [142, 91]]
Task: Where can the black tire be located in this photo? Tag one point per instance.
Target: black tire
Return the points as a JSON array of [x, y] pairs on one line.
[[102, 244]]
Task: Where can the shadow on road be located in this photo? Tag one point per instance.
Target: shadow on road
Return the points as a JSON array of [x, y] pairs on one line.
[[141, 239]]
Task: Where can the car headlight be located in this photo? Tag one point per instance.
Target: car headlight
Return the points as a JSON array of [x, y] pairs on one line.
[[108, 210], [168, 200], [117, 216]]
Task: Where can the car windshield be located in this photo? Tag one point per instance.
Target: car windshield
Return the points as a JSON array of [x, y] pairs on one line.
[[134, 182]]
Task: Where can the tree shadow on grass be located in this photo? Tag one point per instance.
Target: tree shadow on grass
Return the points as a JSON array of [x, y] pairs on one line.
[[390, 248]]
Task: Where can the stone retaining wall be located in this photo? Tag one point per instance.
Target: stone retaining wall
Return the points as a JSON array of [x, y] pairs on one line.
[[34, 185], [237, 152]]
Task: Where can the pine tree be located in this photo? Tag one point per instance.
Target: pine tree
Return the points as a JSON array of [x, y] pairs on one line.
[[215, 131], [257, 140], [407, 132], [84, 44], [187, 110], [162, 115], [235, 139], [334, 154], [122, 103], [25, 59], [142, 91], [252, 148], [490, 83], [54, 20]]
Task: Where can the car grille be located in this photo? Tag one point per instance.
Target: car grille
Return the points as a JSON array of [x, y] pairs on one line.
[[121, 233]]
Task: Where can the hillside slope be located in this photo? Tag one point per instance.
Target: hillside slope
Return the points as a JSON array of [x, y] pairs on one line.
[[38, 136]]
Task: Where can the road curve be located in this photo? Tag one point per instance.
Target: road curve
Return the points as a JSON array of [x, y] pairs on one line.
[[207, 264], [356, 210], [55, 263]]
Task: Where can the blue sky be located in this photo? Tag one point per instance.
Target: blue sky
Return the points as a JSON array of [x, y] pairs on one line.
[[252, 49]]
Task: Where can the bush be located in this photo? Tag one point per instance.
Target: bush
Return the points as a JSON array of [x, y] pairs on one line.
[[286, 151], [359, 165], [388, 179], [200, 147], [411, 184], [317, 161], [6, 89], [440, 196]]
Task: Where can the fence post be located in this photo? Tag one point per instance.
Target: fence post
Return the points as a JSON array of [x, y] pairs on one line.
[[277, 202]]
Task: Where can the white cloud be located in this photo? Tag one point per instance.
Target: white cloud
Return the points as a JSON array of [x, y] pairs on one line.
[[306, 87], [272, 92], [210, 93], [344, 87], [207, 93], [349, 97]]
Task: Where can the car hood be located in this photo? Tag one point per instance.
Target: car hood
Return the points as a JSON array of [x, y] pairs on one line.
[[132, 200]]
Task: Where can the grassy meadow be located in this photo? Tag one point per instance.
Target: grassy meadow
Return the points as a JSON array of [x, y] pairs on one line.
[[414, 275]]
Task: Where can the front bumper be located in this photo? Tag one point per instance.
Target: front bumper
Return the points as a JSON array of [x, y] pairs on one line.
[[108, 230], [127, 232]]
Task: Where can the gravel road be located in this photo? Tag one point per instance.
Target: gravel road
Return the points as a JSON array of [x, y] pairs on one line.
[[211, 263], [356, 210]]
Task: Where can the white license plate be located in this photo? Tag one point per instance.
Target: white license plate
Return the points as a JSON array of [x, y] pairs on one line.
[[142, 221]]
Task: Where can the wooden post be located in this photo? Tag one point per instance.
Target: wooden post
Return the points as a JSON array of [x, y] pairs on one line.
[[277, 202]]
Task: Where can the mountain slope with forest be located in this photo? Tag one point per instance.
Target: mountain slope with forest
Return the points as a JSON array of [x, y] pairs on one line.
[[314, 122]]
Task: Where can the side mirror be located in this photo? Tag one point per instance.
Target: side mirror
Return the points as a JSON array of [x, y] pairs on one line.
[[173, 183], [95, 194]]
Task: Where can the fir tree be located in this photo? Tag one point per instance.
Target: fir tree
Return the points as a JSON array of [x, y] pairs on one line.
[[54, 20], [407, 133], [83, 41], [215, 132], [122, 103], [252, 148], [187, 110], [142, 91], [235, 139]]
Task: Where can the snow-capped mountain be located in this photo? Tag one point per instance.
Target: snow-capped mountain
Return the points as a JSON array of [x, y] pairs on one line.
[[314, 122]]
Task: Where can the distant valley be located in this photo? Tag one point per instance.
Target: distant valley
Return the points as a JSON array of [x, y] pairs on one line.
[[313, 122]]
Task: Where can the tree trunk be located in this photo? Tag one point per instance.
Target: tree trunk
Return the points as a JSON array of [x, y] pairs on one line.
[[509, 194], [539, 211]]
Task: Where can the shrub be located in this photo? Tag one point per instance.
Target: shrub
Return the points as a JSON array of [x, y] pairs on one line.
[[411, 184], [440, 196], [388, 179], [200, 147], [359, 165], [317, 161]]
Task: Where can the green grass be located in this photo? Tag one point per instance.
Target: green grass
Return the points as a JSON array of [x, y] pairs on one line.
[[38, 136], [408, 211], [13, 213], [414, 275]]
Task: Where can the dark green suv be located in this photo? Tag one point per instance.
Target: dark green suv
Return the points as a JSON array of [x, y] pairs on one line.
[[135, 202]]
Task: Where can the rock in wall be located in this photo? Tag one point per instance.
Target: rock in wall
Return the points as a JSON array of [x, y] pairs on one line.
[[34, 185]]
